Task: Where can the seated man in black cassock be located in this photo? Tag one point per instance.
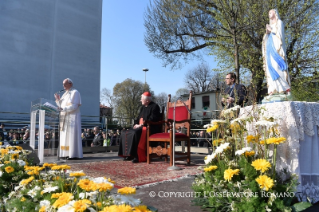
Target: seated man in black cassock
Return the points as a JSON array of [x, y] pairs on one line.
[[131, 146]]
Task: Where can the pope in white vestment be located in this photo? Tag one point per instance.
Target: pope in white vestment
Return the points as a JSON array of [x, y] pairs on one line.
[[70, 121], [274, 56]]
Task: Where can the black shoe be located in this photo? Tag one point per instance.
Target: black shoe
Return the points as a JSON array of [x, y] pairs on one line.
[[127, 158], [135, 160]]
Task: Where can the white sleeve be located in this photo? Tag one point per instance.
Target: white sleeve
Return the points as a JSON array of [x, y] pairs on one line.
[[75, 102]]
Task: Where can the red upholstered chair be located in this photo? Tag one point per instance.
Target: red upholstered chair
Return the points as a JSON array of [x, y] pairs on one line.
[[182, 119]]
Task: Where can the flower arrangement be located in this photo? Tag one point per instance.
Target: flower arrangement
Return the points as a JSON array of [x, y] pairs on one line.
[[54, 188], [240, 174]]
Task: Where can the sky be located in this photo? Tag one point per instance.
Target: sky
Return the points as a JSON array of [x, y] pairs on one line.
[[124, 53]]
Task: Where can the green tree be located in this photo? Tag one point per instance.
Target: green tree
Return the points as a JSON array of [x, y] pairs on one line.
[[233, 31], [127, 98]]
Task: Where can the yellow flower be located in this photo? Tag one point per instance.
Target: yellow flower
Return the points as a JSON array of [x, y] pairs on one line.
[[98, 204], [77, 174], [229, 173], [261, 165], [265, 182], [235, 126], [49, 164], [42, 209], [27, 181], [9, 169], [126, 190], [14, 156], [253, 139], [249, 154], [104, 187], [81, 205], [22, 199], [111, 181], [213, 128], [262, 142], [275, 141], [6, 162], [60, 167], [63, 199], [19, 148], [141, 208], [117, 208], [217, 142], [87, 185], [210, 168]]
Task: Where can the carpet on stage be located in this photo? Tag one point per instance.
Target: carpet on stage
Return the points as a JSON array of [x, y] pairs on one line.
[[126, 173]]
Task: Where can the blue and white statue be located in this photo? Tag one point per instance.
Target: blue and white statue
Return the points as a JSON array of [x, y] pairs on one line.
[[274, 56]]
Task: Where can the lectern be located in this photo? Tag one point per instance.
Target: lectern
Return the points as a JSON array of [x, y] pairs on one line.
[[48, 113]]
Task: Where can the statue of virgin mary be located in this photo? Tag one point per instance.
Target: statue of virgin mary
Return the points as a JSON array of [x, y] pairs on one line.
[[274, 56]]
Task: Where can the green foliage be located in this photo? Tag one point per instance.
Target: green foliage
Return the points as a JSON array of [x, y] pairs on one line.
[[127, 97], [306, 89]]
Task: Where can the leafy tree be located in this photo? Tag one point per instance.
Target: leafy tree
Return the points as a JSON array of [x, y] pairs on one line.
[[233, 31], [127, 96]]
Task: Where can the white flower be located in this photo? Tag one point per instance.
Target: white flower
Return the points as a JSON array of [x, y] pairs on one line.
[[32, 193], [210, 158], [243, 150], [1, 173], [216, 121], [127, 199], [67, 208], [50, 189], [1, 165], [90, 195], [21, 162], [219, 150], [224, 145], [45, 203]]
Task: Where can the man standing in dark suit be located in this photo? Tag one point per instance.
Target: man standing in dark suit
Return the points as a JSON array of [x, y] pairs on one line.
[[236, 93], [97, 140]]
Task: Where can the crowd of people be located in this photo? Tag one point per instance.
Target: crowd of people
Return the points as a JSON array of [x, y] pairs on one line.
[[98, 137], [90, 137]]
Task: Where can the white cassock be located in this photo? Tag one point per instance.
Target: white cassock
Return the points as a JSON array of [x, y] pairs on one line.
[[70, 124], [282, 84]]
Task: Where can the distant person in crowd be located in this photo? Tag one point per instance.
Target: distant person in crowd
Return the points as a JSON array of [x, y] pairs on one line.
[[1, 136], [10, 136], [129, 140], [26, 136], [83, 139], [47, 139], [235, 94], [201, 139], [104, 138], [70, 121], [114, 139], [15, 139], [97, 140], [193, 139], [54, 142], [89, 137], [2, 127]]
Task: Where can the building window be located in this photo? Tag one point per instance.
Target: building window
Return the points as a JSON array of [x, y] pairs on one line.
[[205, 100], [193, 103]]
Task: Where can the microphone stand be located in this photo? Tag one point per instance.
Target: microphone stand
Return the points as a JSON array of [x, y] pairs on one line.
[[173, 167]]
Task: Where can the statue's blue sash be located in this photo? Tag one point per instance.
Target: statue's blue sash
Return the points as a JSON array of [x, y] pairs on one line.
[[272, 52]]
